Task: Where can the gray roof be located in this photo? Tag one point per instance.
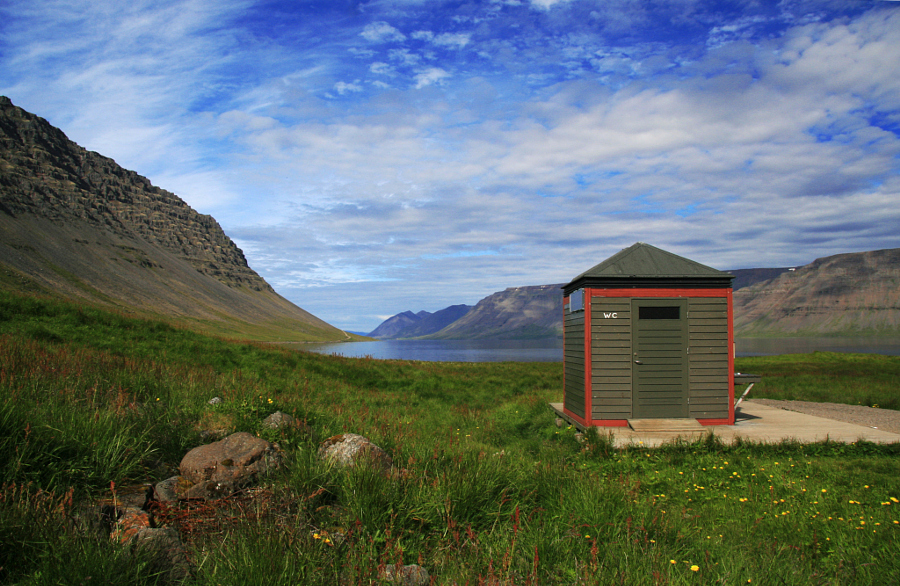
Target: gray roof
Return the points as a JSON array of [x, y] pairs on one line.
[[641, 263]]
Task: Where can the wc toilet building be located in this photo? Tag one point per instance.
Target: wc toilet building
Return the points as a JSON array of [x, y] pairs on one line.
[[648, 335]]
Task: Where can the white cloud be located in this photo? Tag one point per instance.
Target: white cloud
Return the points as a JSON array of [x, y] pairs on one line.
[[381, 68], [343, 87], [381, 32], [430, 76], [547, 4]]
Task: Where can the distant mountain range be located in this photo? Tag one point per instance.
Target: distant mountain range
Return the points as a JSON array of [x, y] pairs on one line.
[[855, 294], [75, 225], [847, 294]]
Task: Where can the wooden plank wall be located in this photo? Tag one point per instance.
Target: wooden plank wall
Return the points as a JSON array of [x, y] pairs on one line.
[[708, 360], [573, 359], [611, 358]]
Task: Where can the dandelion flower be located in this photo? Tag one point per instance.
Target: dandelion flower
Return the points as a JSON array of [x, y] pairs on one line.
[[672, 562], [695, 568]]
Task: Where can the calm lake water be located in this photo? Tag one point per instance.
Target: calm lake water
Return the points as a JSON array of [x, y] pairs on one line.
[[551, 350]]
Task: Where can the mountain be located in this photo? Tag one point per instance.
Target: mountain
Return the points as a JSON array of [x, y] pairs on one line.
[[746, 277], [515, 313], [846, 294], [75, 225], [413, 325]]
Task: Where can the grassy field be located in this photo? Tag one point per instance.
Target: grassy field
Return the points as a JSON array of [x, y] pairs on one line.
[[492, 491]]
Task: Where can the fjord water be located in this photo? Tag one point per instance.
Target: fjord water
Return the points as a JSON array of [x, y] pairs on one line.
[[550, 350]]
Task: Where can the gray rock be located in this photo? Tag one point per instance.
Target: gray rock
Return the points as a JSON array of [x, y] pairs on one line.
[[278, 420], [350, 449], [413, 575], [170, 489], [215, 401], [166, 551], [239, 458]]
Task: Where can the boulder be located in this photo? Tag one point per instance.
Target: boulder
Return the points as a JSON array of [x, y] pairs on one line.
[[349, 449], [240, 459]]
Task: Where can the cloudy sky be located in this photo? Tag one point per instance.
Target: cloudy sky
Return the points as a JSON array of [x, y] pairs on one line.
[[376, 156]]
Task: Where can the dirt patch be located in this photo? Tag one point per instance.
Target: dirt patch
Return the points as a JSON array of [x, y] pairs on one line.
[[883, 419]]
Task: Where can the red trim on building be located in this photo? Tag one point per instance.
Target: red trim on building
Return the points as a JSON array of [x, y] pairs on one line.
[[565, 303], [602, 292], [635, 293], [717, 421], [730, 359], [588, 359], [611, 422], [579, 420]]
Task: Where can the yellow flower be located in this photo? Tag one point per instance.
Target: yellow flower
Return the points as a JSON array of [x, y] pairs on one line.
[[695, 568], [672, 562]]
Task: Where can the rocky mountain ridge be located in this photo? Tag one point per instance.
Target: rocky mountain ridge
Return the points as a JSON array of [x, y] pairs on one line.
[[855, 294], [76, 225]]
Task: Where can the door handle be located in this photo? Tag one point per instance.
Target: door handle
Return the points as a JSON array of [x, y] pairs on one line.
[[638, 362]]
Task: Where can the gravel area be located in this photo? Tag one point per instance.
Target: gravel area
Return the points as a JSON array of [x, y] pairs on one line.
[[883, 419]]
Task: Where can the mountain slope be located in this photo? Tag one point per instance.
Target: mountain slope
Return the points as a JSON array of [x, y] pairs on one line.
[[413, 325], [74, 224], [846, 294], [515, 313]]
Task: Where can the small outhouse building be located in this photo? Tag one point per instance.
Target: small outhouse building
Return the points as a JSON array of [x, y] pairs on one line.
[[648, 335]]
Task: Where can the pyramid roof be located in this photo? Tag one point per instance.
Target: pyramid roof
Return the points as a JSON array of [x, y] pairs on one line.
[[643, 265]]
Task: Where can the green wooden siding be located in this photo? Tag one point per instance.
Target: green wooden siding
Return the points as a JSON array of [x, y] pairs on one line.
[[573, 361], [708, 358], [611, 358]]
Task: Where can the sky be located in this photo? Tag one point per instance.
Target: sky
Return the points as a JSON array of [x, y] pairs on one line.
[[372, 157]]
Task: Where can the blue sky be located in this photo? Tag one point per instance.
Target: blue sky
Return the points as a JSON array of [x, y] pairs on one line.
[[372, 157]]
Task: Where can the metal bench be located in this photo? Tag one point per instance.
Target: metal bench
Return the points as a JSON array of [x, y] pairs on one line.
[[742, 378]]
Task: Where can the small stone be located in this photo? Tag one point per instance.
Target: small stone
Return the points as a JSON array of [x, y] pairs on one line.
[[413, 575], [167, 551], [278, 420], [131, 521], [216, 401], [349, 449], [559, 422], [170, 489]]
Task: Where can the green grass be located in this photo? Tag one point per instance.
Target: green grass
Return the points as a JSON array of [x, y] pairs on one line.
[[490, 491], [855, 379]]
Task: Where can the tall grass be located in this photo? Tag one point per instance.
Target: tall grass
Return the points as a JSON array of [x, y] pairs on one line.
[[487, 490]]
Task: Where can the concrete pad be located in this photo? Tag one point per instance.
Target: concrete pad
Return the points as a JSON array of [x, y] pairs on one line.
[[756, 423]]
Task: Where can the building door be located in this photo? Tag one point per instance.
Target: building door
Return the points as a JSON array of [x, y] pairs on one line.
[[660, 362]]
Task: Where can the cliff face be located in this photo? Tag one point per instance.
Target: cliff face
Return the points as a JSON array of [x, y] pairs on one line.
[[75, 224], [44, 174], [845, 294]]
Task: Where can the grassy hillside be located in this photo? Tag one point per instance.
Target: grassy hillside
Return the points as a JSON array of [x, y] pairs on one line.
[[493, 492]]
